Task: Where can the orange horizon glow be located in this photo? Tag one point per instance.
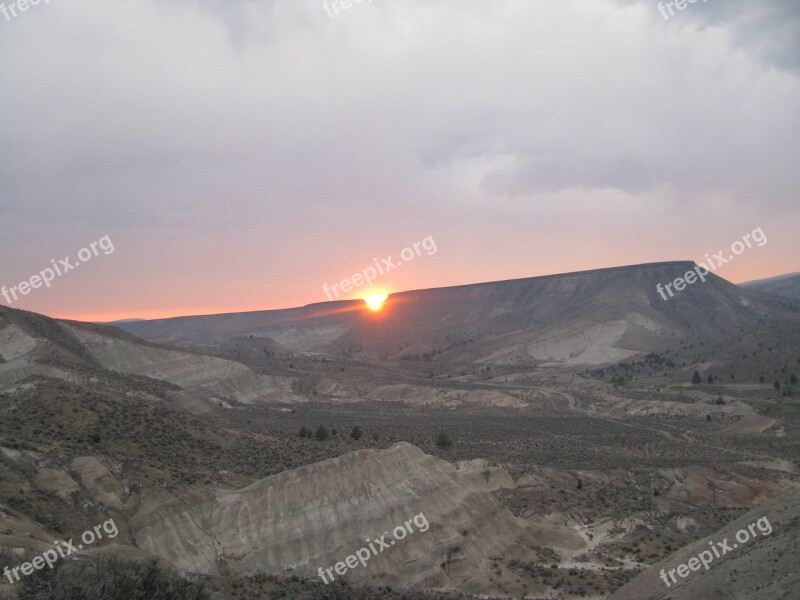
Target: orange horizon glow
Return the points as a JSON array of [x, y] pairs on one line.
[[295, 301], [377, 299]]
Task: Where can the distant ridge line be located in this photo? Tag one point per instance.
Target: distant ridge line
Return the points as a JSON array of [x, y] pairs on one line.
[[689, 263]]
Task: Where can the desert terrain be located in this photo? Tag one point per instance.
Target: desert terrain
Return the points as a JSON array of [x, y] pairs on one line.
[[553, 454]]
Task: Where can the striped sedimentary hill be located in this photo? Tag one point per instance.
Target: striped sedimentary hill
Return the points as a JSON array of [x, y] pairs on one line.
[[317, 515]]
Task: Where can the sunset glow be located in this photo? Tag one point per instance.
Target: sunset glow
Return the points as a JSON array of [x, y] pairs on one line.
[[375, 301]]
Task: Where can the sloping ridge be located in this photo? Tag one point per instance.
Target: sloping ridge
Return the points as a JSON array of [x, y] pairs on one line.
[[32, 344], [39, 327], [585, 318], [203, 375], [290, 327], [317, 515], [785, 286], [763, 567]]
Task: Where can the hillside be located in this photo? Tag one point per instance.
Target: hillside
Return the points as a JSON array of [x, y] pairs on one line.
[[32, 344], [554, 482], [765, 566], [785, 286], [576, 320], [301, 520]]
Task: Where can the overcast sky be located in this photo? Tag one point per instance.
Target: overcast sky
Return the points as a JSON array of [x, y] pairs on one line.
[[240, 154]]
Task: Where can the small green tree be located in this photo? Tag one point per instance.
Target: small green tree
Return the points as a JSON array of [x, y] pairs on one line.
[[443, 441], [762, 379], [696, 378], [303, 432], [710, 379], [793, 379], [322, 433], [356, 433], [777, 385]]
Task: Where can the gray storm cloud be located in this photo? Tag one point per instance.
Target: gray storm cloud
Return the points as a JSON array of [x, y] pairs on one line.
[[180, 121]]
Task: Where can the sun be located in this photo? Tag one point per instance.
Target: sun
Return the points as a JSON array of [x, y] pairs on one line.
[[375, 301]]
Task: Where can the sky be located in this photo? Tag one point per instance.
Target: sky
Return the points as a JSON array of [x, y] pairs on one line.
[[241, 154]]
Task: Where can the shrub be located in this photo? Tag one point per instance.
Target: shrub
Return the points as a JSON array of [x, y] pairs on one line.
[[356, 433], [696, 378], [322, 433], [443, 440], [109, 578]]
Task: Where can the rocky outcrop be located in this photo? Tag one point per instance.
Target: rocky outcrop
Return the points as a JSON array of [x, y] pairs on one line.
[[317, 515], [698, 485], [481, 474], [420, 395], [99, 481], [207, 376], [765, 566]]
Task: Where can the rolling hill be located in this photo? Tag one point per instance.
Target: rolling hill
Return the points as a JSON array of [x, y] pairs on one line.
[[785, 286], [34, 345], [574, 320]]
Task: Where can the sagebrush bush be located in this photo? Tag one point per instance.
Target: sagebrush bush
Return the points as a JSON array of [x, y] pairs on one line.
[[109, 578]]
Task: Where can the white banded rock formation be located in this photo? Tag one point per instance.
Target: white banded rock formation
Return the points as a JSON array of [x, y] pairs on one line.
[[206, 376], [317, 515]]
